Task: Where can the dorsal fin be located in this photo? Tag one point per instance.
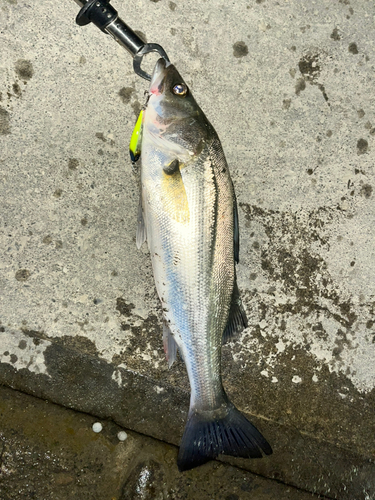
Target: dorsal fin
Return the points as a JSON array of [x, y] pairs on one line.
[[236, 230], [237, 320]]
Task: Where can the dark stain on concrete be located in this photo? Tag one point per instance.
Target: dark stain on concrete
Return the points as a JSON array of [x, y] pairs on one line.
[[57, 193], [329, 408], [323, 91], [24, 69], [288, 260], [47, 240], [286, 103], [77, 343], [366, 190], [100, 136], [73, 163], [240, 49], [362, 146], [124, 308], [13, 358], [37, 336], [145, 339], [4, 122], [300, 85], [335, 35], [16, 89], [22, 344], [22, 275], [309, 66], [361, 113], [125, 94], [137, 106], [172, 6], [353, 49]]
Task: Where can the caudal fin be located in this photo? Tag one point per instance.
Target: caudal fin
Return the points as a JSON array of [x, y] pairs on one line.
[[230, 434]]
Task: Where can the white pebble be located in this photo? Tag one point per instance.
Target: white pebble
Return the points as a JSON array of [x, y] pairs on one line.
[[97, 427], [122, 436]]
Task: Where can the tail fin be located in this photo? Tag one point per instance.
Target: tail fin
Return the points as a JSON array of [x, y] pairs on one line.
[[231, 434]]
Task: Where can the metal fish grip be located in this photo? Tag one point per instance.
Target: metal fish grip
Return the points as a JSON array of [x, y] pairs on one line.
[[106, 18]]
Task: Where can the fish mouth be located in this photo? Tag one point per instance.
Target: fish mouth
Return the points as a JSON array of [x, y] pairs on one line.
[[158, 77]]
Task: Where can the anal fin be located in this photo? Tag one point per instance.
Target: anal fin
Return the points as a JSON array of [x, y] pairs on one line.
[[170, 346], [237, 319]]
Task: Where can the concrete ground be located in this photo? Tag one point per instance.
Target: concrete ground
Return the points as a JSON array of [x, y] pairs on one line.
[[66, 459], [289, 87]]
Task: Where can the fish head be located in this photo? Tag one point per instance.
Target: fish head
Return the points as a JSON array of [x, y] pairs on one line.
[[172, 116]]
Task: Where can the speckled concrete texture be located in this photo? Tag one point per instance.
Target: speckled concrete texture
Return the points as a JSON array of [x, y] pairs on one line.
[[289, 87]]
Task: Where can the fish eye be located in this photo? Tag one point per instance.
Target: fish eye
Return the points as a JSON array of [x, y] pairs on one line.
[[180, 89]]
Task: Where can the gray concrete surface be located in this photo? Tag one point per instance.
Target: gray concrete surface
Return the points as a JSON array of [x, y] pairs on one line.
[[66, 460], [289, 87]]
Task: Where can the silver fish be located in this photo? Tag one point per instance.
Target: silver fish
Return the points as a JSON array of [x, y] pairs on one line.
[[188, 214]]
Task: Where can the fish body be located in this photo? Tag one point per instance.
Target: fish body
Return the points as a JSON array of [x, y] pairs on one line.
[[188, 214]]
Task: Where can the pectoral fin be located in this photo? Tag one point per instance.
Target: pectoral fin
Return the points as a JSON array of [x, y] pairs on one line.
[[172, 167], [141, 236], [237, 320]]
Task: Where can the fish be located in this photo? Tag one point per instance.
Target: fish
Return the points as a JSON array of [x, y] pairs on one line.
[[188, 216]]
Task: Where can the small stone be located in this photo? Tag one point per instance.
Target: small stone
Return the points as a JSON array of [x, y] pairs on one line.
[[122, 436], [97, 427]]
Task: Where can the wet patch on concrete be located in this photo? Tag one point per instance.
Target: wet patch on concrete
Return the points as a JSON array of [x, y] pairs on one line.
[[52, 452], [310, 68], [302, 296], [126, 93], [335, 35], [353, 49], [24, 69], [142, 347], [73, 163], [240, 49], [4, 122], [362, 146], [22, 275]]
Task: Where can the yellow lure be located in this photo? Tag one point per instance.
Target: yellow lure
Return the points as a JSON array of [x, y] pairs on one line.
[[136, 139]]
